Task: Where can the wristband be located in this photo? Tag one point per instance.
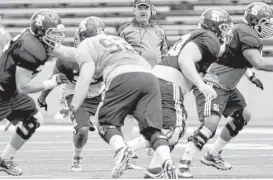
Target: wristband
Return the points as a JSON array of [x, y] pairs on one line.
[[201, 85]]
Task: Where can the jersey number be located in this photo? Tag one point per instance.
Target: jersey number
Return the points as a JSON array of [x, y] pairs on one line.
[[175, 50], [116, 45]]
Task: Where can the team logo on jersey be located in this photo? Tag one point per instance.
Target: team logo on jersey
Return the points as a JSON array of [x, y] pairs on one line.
[[159, 33], [216, 107], [39, 20]]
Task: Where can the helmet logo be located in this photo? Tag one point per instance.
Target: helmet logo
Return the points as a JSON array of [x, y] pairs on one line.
[[255, 9], [215, 16], [39, 20]]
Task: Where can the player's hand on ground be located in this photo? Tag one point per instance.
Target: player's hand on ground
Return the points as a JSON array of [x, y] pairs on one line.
[[65, 112], [61, 78], [42, 104], [208, 91], [256, 81], [68, 112]]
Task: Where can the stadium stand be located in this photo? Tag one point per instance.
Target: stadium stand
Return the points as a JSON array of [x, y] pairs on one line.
[[177, 17]]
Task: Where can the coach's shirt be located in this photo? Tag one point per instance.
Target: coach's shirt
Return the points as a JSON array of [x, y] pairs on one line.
[[112, 56], [169, 68], [71, 70], [25, 51], [150, 41], [231, 66]]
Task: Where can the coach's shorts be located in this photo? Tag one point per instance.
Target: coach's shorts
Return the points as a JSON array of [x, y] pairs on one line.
[[19, 107], [87, 109], [173, 110], [226, 103], [134, 93]]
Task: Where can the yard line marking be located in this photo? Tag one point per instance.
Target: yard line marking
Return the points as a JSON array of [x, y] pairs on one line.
[[178, 146], [109, 158]]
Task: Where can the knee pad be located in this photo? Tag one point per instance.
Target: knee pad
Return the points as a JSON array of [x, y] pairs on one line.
[[200, 137], [237, 122], [108, 131], [83, 131], [27, 128], [155, 138]]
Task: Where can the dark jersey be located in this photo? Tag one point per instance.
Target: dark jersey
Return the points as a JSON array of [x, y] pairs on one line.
[[207, 42], [231, 66], [24, 50], [71, 70]]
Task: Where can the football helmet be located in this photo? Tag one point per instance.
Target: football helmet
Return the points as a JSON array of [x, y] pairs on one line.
[[218, 21], [89, 27], [46, 25], [259, 15]]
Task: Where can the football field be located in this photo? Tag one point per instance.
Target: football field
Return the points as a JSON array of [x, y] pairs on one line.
[[49, 155]]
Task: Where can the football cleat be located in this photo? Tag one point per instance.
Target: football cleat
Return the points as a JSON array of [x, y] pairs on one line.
[[77, 164], [10, 167], [216, 161], [169, 170], [184, 169], [123, 157]]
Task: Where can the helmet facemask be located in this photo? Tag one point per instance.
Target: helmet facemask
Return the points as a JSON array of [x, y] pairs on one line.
[[264, 28], [54, 36], [226, 34]]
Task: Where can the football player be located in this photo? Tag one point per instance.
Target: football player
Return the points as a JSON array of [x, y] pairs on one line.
[[242, 51], [82, 123], [192, 54], [21, 60], [131, 88]]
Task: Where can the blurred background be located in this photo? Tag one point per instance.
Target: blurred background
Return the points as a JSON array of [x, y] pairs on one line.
[[177, 17]]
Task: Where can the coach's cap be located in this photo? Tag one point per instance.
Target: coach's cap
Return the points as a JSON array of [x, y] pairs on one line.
[[141, 2]]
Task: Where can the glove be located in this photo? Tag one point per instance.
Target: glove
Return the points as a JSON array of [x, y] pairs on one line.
[[61, 78], [42, 104], [256, 81], [208, 91]]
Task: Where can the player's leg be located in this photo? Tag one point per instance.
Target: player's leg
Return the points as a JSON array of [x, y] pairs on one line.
[[239, 117], [23, 109], [209, 112], [149, 114], [174, 116], [81, 125], [117, 102]]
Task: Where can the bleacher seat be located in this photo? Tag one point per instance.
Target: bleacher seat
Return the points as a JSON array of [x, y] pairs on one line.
[[177, 17]]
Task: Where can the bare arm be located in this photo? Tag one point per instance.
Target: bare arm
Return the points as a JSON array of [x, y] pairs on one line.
[[187, 58], [87, 71], [255, 58], [45, 93], [65, 52], [25, 84]]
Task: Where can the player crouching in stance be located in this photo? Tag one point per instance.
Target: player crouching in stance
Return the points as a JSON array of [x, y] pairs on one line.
[[20, 61], [131, 88], [81, 123], [179, 72], [242, 52]]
